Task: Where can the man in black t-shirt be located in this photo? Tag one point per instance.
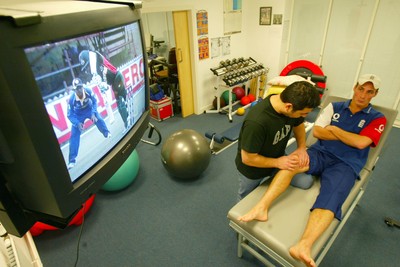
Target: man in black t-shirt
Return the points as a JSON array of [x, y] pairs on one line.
[[266, 131]]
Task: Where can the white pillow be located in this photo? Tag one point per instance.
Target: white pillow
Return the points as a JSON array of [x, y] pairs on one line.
[[287, 80]]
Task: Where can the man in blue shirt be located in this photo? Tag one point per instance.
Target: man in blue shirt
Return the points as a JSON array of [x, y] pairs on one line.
[[345, 132], [82, 106]]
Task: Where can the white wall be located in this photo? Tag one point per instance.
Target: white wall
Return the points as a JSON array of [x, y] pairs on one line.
[[361, 37], [264, 42]]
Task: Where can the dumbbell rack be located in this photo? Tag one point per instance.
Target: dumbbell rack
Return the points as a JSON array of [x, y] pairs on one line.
[[234, 72]]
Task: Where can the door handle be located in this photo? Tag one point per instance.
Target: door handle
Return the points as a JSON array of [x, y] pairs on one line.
[[180, 58]]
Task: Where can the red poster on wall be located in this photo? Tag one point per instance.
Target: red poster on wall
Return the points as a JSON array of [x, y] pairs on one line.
[[204, 50]]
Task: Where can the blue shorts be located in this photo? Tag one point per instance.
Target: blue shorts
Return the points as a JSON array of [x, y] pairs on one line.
[[337, 179]]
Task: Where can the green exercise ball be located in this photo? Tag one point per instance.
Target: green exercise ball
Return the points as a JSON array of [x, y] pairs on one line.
[[186, 154], [225, 96], [125, 175]]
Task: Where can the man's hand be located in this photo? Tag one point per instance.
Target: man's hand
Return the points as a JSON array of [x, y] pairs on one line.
[[94, 118], [96, 79], [80, 126], [289, 163], [103, 87], [304, 159]]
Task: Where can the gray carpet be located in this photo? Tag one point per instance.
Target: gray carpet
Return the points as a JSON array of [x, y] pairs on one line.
[[161, 221]]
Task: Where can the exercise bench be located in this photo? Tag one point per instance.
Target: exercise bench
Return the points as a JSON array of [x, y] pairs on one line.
[[287, 218], [220, 142]]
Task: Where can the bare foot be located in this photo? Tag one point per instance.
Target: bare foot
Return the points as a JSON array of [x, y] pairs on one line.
[[258, 213], [303, 254]]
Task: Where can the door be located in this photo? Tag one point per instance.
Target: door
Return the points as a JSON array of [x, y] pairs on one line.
[[183, 61]]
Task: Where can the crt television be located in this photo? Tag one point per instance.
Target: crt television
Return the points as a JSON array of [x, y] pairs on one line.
[[74, 103]]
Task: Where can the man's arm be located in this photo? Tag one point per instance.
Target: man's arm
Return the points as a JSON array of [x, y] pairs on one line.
[[71, 115], [369, 136], [323, 120], [331, 132], [350, 139], [323, 133], [284, 163], [301, 151], [300, 135]]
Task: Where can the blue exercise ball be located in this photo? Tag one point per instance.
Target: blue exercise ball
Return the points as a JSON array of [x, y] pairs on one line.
[[186, 154], [253, 103], [125, 175]]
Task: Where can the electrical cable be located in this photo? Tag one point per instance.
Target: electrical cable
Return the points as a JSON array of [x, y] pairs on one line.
[[80, 235]]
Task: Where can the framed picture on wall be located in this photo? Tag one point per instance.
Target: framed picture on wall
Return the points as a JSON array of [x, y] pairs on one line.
[[277, 19], [265, 15]]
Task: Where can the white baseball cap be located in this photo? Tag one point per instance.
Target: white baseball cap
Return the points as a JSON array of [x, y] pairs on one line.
[[375, 80]]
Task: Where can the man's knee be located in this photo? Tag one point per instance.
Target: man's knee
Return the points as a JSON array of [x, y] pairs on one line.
[[291, 173]]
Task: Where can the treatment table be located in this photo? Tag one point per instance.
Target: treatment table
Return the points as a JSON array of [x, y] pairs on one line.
[[287, 217]]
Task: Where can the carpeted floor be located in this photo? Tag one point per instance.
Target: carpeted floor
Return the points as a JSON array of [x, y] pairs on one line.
[[161, 221]]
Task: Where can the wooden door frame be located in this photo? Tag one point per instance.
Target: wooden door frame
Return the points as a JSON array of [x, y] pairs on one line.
[[184, 60]]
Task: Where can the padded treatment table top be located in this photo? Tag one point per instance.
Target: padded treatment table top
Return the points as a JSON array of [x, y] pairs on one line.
[[288, 217]]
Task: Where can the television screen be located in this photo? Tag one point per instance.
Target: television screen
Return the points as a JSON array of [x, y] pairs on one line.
[[74, 103], [93, 89]]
